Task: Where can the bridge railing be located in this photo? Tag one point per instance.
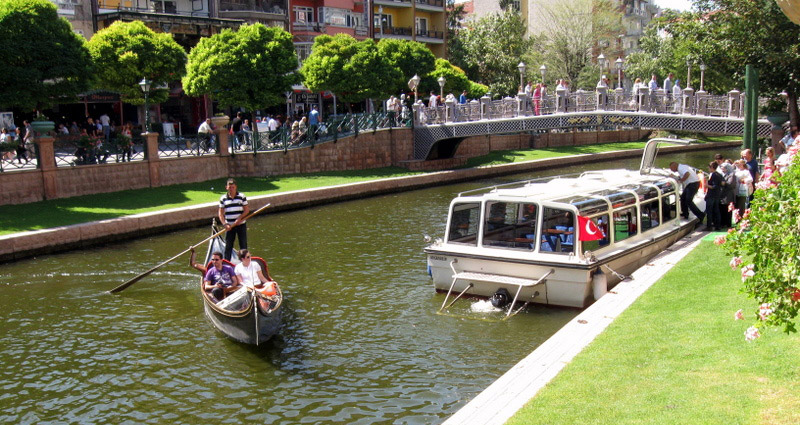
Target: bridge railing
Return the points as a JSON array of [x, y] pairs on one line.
[[685, 103]]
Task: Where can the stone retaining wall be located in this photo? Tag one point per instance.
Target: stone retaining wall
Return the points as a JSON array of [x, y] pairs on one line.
[[21, 245], [383, 148]]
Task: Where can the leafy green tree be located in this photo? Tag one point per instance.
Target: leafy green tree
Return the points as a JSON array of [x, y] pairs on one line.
[[354, 70], [493, 47], [574, 29], [126, 52], [757, 32], [410, 57], [455, 15], [252, 67], [43, 59], [456, 80]]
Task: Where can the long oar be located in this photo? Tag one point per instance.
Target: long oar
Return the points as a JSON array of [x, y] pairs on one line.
[[139, 277]]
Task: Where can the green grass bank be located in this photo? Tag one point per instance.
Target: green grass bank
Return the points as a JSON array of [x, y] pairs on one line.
[[677, 356]]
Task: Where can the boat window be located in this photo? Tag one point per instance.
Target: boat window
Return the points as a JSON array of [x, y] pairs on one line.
[[624, 224], [510, 225], [601, 221], [650, 217], [621, 199], [464, 221], [665, 186], [586, 205], [558, 231], [644, 192], [669, 206]]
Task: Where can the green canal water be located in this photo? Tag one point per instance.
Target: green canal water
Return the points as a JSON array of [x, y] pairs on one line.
[[360, 344]]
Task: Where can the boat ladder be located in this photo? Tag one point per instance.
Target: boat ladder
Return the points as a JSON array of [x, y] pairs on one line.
[[519, 282]]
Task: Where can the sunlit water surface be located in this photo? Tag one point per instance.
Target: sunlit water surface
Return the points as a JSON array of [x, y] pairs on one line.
[[360, 344]]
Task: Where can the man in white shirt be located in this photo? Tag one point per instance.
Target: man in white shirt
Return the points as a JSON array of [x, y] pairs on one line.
[[668, 83], [688, 177], [105, 122], [204, 133], [272, 124]]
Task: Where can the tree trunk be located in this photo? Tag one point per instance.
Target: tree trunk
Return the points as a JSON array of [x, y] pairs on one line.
[[794, 114]]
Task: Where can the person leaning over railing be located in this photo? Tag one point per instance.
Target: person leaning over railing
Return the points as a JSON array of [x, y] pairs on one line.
[[204, 134]]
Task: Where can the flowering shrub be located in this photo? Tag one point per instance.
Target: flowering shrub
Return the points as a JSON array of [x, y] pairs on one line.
[[765, 245]]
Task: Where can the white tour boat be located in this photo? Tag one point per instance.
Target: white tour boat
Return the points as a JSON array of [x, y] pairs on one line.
[[562, 240]]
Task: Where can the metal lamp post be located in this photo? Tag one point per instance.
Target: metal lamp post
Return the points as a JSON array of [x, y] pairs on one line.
[[441, 81], [688, 73], [522, 68], [543, 70], [619, 63], [145, 85], [413, 83], [380, 19], [702, 74], [601, 62]]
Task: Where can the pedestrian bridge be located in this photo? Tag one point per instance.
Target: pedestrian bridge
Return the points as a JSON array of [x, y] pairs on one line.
[[439, 130]]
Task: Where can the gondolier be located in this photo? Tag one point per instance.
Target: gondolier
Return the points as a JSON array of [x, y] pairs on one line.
[[233, 209]]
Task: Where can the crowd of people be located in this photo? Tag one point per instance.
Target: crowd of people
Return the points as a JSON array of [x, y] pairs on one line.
[[18, 142], [729, 184]]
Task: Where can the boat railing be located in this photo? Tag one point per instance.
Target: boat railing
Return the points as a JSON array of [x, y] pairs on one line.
[[523, 183]]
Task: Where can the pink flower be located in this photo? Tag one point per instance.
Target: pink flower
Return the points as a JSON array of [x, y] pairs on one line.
[[796, 295], [764, 311], [748, 271], [731, 207], [739, 315], [719, 240], [746, 213], [744, 224], [735, 262], [735, 217], [751, 333]]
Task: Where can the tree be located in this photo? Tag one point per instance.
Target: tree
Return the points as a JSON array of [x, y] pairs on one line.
[[757, 32], [410, 57], [493, 47], [354, 70], [43, 59], [575, 28], [455, 79], [252, 67], [455, 15], [126, 52]]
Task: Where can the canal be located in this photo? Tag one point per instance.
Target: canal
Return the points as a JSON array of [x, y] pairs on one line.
[[361, 342]]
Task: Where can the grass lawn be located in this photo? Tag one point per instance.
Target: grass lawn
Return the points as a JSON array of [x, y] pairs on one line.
[[82, 209], [677, 356]]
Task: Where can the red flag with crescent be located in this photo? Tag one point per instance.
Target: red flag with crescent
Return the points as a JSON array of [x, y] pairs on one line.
[[588, 231]]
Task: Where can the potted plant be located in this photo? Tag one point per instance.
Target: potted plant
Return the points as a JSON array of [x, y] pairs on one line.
[[40, 124], [775, 110], [220, 119]]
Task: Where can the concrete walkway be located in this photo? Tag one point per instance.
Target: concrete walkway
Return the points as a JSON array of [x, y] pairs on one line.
[[505, 396]]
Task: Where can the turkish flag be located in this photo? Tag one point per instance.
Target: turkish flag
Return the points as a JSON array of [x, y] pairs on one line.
[[587, 230]]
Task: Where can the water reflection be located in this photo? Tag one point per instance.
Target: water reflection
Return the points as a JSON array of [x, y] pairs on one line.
[[361, 342]]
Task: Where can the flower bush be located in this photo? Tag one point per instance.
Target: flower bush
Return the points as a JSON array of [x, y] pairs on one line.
[[765, 245]]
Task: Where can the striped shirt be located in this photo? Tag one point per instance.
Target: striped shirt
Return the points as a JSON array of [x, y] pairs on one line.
[[233, 206]]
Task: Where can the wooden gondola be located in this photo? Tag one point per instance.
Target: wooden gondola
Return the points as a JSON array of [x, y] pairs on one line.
[[247, 315]]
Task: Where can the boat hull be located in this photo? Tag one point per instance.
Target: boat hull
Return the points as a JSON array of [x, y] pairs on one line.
[[569, 284], [254, 327]]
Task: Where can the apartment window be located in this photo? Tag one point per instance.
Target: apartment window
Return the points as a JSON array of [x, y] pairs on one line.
[[303, 14], [164, 6], [335, 16], [422, 26], [303, 51], [387, 21]]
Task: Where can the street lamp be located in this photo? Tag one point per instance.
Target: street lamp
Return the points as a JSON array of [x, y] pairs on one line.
[[441, 81], [601, 62], [521, 68], [619, 62], [145, 85], [543, 70], [380, 18], [413, 83], [702, 74], [688, 73]]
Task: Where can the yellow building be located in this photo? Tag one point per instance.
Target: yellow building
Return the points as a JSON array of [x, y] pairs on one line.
[[419, 20]]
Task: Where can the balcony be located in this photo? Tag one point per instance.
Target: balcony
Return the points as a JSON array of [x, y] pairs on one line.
[[253, 9], [434, 5], [308, 27], [183, 8], [393, 3], [435, 35]]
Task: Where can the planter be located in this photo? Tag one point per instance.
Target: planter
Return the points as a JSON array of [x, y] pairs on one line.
[[777, 119], [220, 121], [41, 127]]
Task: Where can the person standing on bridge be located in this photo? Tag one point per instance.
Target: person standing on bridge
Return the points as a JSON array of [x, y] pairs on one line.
[[233, 210]]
